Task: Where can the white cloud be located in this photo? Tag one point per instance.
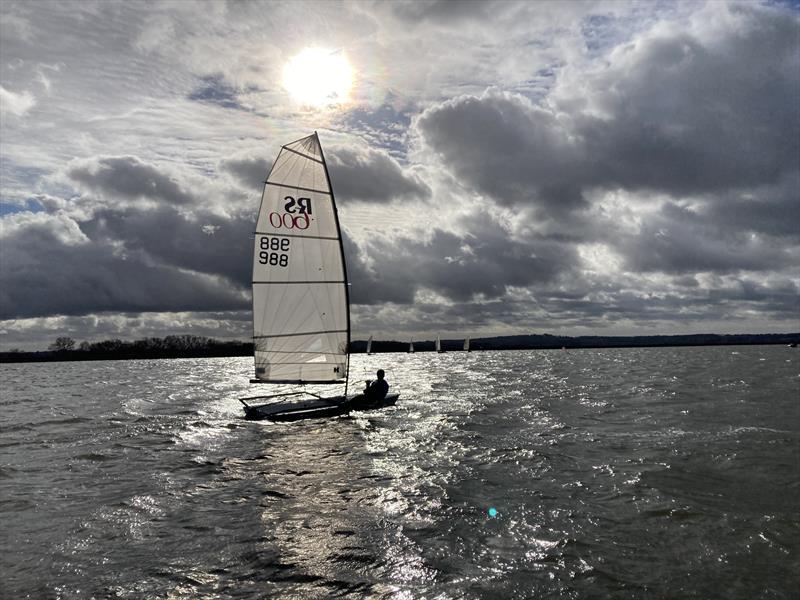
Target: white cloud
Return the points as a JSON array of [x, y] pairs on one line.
[[15, 103], [514, 165]]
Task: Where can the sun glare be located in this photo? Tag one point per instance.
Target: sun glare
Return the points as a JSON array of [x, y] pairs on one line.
[[318, 78]]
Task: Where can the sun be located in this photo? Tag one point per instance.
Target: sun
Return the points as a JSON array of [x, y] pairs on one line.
[[318, 77]]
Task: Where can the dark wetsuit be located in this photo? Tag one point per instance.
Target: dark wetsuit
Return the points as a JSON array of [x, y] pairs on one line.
[[377, 390]]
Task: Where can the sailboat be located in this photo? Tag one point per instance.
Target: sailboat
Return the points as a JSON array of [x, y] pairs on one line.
[[411, 346], [439, 345], [301, 304], [369, 345], [466, 345]]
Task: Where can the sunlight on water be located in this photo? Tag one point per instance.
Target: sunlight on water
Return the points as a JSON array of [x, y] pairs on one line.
[[506, 474]]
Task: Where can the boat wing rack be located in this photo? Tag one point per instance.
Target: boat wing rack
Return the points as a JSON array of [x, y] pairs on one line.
[[283, 395]]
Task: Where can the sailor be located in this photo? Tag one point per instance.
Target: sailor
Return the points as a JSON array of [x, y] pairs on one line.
[[377, 390]]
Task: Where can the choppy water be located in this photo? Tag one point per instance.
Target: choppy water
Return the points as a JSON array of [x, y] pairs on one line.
[[646, 473]]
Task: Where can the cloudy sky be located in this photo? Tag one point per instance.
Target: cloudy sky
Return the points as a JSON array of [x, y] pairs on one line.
[[569, 167]]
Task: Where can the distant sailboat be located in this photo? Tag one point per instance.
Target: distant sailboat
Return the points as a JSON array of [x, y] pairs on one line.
[[466, 345], [411, 346], [301, 305], [439, 345], [369, 345]]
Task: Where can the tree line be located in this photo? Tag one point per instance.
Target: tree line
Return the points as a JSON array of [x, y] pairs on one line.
[[172, 346], [195, 346]]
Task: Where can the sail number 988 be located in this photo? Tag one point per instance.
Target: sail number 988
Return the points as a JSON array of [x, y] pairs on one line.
[[274, 251]]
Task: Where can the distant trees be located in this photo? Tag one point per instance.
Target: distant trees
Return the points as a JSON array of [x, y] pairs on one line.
[[192, 346], [62, 344], [107, 346], [172, 346]]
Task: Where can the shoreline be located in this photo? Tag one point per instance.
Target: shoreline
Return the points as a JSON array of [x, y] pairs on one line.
[[519, 342]]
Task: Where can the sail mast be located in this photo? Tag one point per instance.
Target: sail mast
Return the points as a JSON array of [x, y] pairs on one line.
[[344, 262]]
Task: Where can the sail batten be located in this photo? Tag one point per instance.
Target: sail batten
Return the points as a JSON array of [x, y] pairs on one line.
[[316, 237], [298, 188], [298, 282], [301, 320], [303, 155], [261, 337]]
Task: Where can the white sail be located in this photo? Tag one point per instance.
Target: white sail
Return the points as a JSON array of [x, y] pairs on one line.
[[369, 345], [466, 344], [411, 345], [438, 344], [301, 319]]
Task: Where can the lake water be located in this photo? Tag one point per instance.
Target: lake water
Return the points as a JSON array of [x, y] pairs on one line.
[[624, 473]]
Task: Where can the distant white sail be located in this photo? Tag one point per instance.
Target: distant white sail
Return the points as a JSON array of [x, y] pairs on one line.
[[466, 344], [369, 345], [438, 344], [301, 320], [411, 345]]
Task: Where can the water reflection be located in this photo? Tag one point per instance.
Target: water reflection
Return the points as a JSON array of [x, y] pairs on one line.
[[613, 472]]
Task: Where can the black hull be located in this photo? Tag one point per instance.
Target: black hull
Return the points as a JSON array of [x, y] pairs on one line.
[[315, 409], [360, 402]]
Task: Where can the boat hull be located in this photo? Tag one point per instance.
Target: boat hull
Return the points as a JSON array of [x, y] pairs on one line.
[[318, 408], [296, 411], [360, 402]]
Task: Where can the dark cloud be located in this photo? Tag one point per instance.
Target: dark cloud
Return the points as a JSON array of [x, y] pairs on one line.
[[361, 174], [47, 273], [507, 148], [371, 176], [483, 262], [250, 172], [706, 116], [780, 299], [679, 240], [772, 210], [689, 113], [160, 257], [203, 242], [610, 308], [128, 177], [370, 285], [119, 258], [723, 308], [675, 112]]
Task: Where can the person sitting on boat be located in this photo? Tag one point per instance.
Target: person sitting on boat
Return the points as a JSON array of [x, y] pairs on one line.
[[377, 390]]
